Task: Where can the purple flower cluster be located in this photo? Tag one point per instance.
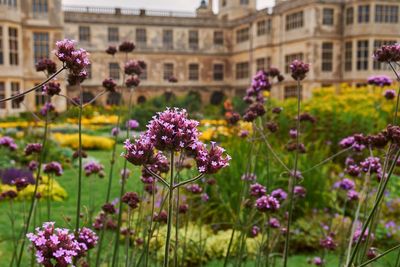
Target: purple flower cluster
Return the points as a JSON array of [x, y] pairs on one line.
[[194, 188], [132, 199], [53, 168], [8, 142], [32, 148], [109, 85], [299, 191], [133, 67], [299, 69], [76, 60], [171, 130], [380, 80], [279, 194], [51, 88], [93, 167], [249, 177], [111, 50], [352, 195], [371, 165], [46, 65], [390, 94], [345, 184], [357, 235], [267, 203], [257, 190], [47, 108], [328, 243], [388, 53], [126, 47], [59, 246], [351, 142], [274, 223], [20, 183], [132, 124]]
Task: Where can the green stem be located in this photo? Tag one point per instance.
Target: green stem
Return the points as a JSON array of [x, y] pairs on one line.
[[78, 203], [128, 238], [151, 225], [170, 213], [380, 256], [292, 179], [34, 199]]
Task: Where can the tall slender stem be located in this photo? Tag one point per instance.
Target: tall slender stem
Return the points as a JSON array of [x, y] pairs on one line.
[[78, 204], [170, 209], [150, 231], [121, 193], [292, 178], [34, 199]]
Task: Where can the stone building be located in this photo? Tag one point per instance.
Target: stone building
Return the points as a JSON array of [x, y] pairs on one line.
[[214, 54]]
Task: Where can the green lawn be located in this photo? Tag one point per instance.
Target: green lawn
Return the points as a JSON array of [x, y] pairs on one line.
[[98, 188]]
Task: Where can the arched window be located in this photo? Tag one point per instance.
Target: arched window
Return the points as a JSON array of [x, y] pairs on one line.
[[169, 96], [87, 97], [217, 98], [113, 99]]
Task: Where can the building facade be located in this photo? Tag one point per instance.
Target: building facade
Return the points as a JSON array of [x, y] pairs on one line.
[[214, 54]]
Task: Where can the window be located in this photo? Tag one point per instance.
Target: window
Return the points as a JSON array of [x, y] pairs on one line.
[[218, 72], [84, 33], [40, 99], [363, 14], [113, 34], [193, 72], [291, 91], [290, 58], [223, 2], [13, 45], [15, 91], [242, 70], [327, 57], [113, 99], [39, 6], [168, 71], [11, 3], [362, 55], [219, 38], [294, 21], [113, 70], [1, 47], [386, 14], [141, 38], [2, 94], [244, 2], [263, 27], [194, 40], [349, 15], [328, 16], [260, 63], [143, 75], [168, 39], [40, 46], [242, 35], [377, 44], [348, 56]]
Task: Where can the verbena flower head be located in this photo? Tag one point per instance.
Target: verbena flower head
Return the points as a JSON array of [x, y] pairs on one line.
[[317, 261], [267, 203], [257, 190], [8, 142], [390, 94], [254, 231], [47, 108], [109, 208], [111, 50], [357, 235], [345, 184], [194, 188], [328, 243], [299, 69], [51, 88], [352, 195], [380, 80], [388, 53], [205, 197], [132, 124], [93, 167], [20, 183], [371, 165], [274, 223], [59, 246], [74, 79], [279, 194], [33, 165], [172, 130], [132, 67], [353, 170], [139, 152], [300, 191], [132, 199], [46, 65], [393, 133], [115, 131], [53, 168], [249, 177], [126, 47], [109, 85], [74, 59], [32, 148], [133, 81], [212, 160], [351, 142]]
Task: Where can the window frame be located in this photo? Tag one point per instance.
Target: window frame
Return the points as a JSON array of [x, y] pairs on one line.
[[193, 39], [362, 62], [348, 56], [328, 19], [218, 72], [113, 34], [242, 70], [294, 20], [13, 47], [349, 15], [194, 74], [327, 49], [41, 46], [242, 35], [114, 70], [364, 14], [141, 37], [168, 71], [168, 39], [84, 33]]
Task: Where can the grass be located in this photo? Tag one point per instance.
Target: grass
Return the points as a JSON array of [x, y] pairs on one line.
[[64, 211]]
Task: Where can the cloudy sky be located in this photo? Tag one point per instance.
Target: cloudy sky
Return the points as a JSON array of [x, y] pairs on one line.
[[178, 5]]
